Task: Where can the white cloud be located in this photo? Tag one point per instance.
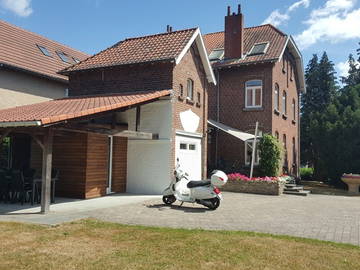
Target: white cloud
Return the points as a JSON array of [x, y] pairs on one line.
[[343, 68], [19, 7], [276, 18], [337, 20]]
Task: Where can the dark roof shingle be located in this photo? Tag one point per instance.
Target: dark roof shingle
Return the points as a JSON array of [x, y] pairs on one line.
[[166, 46], [252, 35], [53, 111], [18, 49]]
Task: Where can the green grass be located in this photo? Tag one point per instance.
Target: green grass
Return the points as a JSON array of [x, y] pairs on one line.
[[91, 244]]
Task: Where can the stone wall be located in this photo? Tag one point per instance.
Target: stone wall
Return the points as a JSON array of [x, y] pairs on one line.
[[255, 187]]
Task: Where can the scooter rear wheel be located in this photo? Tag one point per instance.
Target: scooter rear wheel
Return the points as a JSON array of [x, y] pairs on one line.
[[215, 203], [169, 200]]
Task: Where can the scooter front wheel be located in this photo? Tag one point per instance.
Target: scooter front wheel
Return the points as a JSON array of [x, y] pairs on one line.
[[169, 200], [215, 203]]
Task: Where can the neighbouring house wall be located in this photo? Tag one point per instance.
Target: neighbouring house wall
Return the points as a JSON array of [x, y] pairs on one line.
[[148, 161], [119, 164], [141, 77], [190, 67], [286, 125], [18, 88], [232, 111]]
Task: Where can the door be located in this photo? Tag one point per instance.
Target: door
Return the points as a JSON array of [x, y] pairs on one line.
[[188, 151]]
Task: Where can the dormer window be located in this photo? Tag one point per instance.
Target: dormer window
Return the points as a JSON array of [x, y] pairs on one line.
[[259, 48], [64, 57], [44, 50], [216, 55], [190, 89]]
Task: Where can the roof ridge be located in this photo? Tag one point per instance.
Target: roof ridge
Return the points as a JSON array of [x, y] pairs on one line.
[[160, 34], [38, 35], [251, 27]]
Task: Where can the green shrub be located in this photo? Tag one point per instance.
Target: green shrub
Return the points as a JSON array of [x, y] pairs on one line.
[[270, 156], [306, 173]]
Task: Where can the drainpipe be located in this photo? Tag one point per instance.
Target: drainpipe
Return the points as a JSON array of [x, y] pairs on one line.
[[217, 115]]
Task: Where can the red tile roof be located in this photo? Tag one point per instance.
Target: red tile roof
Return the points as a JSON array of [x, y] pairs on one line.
[[252, 35], [18, 49], [53, 111], [166, 46]]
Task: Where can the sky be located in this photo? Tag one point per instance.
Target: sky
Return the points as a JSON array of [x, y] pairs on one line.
[[93, 25]]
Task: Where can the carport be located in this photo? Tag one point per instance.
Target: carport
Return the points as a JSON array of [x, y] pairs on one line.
[[88, 122]]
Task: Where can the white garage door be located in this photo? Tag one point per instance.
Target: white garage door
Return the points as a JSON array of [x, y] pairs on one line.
[[188, 150]]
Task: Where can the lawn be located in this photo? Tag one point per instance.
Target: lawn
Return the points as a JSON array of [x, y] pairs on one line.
[[91, 244]]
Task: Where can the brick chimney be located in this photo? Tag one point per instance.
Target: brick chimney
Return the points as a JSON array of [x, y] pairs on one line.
[[234, 34]]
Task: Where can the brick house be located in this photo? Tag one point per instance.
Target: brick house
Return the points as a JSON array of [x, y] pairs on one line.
[[260, 77], [132, 110]]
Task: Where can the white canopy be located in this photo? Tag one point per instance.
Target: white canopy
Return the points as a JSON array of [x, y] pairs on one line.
[[232, 131]]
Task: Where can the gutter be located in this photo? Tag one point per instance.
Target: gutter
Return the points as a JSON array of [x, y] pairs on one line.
[[20, 124]]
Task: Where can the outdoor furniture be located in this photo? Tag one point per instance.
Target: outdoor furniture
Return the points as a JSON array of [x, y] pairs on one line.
[[17, 187], [353, 182], [37, 183], [4, 187]]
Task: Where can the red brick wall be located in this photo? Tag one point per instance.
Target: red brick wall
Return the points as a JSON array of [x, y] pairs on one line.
[[191, 67], [281, 124], [155, 76]]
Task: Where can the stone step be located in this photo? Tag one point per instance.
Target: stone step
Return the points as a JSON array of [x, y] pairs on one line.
[[297, 188], [298, 193], [290, 185]]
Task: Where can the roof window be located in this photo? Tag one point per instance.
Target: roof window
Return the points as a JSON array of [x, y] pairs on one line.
[[44, 50], [76, 60], [64, 57], [216, 55], [259, 48]]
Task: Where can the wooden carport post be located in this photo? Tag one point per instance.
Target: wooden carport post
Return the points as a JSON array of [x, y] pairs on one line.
[[46, 171]]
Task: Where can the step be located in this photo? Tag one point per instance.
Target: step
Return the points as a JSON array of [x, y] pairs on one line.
[[290, 185], [298, 193], [298, 188]]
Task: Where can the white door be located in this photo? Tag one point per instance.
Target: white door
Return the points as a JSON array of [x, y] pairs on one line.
[[188, 151]]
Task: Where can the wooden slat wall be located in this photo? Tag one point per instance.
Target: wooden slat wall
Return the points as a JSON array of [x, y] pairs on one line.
[[97, 165], [119, 165]]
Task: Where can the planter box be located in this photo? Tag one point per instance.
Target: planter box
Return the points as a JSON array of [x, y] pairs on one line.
[[255, 187]]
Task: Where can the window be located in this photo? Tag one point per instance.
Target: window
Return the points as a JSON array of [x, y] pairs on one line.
[[276, 97], [66, 92], [277, 135], [190, 89], [192, 147], [284, 65], [293, 110], [217, 54], [181, 90], [64, 57], [198, 98], [294, 150], [253, 94], [260, 48], [284, 141], [44, 50], [284, 105], [183, 146], [76, 60], [248, 148], [291, 72]]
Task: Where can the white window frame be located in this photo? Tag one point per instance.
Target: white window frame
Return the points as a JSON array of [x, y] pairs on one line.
[[253, 94], [277, 97], [190, 89]]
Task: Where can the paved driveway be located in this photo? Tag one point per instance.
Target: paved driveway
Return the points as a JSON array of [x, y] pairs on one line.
[[333, 218]]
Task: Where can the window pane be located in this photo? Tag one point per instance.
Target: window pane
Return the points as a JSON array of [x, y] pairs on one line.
[[217, 54], [190, 90], [192, 147], [276, 97], [183, 146], [284, 103], [258, 49], [249, 97], [44, 50], [258, 97], [294, 110]]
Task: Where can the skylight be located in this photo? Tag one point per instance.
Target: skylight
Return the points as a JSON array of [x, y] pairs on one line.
[[64, 57], [76, 60], [44, 50], [216, 54], [259, 48]]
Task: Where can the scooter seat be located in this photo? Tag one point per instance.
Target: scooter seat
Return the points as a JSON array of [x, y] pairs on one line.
[[193, 184]]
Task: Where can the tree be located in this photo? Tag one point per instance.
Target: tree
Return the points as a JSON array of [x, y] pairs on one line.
[[353, 77], [270, 155]]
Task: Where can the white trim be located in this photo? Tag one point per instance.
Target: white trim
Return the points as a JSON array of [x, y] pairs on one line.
[[188, 134], [203, 55], [253, 91], [20, 124]]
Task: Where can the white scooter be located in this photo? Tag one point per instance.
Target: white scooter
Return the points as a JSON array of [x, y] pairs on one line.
[[205, 193]]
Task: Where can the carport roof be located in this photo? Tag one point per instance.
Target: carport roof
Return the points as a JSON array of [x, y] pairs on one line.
[[54, 111]]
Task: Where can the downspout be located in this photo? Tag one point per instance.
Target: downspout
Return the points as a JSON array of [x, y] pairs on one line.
[[217, 116], [204, 153]]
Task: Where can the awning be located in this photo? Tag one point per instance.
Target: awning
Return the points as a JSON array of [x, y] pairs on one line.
[[55, 111], [232, 131]]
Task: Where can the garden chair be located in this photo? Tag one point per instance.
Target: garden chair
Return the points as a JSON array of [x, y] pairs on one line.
[[4, 187]]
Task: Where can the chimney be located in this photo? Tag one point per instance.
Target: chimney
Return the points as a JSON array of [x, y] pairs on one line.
[[234, 34], [169, 29]]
